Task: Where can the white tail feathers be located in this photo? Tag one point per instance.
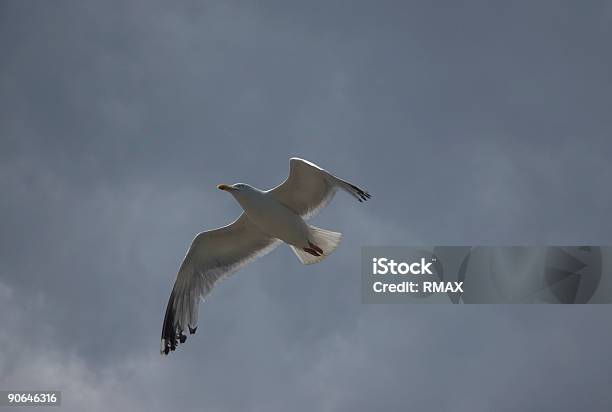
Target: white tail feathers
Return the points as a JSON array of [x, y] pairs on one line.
[[327, 240]]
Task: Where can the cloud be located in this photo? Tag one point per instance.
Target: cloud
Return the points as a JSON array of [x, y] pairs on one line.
[[468, 125]]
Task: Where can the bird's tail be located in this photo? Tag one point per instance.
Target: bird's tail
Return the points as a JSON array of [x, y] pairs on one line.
[[323, 242]]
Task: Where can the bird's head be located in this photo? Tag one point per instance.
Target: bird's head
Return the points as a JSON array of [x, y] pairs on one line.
[[236, 188]]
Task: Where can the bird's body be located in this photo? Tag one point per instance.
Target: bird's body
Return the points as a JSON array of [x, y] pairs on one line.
[[270, 218]]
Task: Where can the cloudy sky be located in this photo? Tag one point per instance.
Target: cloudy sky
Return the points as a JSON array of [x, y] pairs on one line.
[[474, 123]]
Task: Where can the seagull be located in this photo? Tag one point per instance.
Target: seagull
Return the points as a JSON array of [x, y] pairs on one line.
[[270, 217]]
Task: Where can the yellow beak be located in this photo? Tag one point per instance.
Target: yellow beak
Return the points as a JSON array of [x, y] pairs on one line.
[[224, 187]]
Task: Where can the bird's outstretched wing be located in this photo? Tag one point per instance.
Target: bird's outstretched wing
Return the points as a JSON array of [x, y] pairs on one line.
[[309, 188], [211, 256]]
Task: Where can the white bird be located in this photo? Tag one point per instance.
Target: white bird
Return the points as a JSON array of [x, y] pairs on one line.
[[270, 217]]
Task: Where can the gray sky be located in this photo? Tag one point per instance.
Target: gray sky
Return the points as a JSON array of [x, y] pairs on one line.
[[474, 123]]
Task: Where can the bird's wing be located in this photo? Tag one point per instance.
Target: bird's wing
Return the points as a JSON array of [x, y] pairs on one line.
[[309, 188], [211, 256]]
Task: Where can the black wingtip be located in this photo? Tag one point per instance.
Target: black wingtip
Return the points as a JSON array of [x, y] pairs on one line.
[[171, 334], [362, 194]]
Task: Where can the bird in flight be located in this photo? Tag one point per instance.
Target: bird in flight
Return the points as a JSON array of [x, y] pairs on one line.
[[270, 217]]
